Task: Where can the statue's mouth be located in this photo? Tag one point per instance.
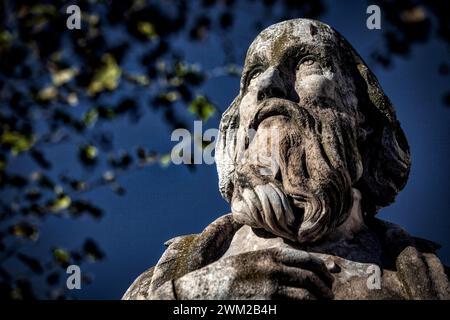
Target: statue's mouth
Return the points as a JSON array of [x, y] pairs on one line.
[[273, 107]]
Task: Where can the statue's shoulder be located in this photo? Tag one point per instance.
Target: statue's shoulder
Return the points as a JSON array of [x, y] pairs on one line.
[[396, 239], [185, 254], [415, 260], [139, 288]]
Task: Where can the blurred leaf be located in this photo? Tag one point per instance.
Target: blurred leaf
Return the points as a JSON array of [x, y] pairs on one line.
[[226, 20], [108, 176], [167, 98], [202, 108], [23, 290], [88, 154], [140, 79], [118, 189], [3, 162], [78, 185], [106, 113], [91, 249], [90, 117], [123, 161], [43, 9], [181, 69], [72, 99], [62, 202], [33, 194], [39, 157], [147, 29], [79, 206], [145, 156], [201, 28], [25, 230], [61, 256], [61, 77], [47, 93], [15, 180], [189, 73], [165, 160], [31, 263], [127, 106], [413, 15], [42, 180], [106, 77], [5, 39], [16, 142]]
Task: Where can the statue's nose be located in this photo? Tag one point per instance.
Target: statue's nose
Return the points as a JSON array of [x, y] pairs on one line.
[[270, 85]]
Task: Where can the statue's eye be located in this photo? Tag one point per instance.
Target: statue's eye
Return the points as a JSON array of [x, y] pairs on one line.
[[254, 74], [306, 61]]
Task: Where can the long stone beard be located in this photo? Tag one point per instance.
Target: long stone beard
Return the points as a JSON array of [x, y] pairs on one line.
[[302, 189]]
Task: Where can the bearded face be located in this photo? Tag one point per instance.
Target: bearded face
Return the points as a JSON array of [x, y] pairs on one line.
[[290, 148]]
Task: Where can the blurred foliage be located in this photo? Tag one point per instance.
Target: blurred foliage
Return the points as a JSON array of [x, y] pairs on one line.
[[61, 87], [202, 107], [412, 23]]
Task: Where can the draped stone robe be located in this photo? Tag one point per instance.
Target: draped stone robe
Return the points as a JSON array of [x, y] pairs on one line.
[[410, 268]]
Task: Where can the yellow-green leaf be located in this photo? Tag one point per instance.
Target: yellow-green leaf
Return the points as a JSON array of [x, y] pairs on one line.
[[106, 77], [47, 93], [90, 117], [147, 29], [62, 202], [25, 230], [3, 164], [63, 76], [5, 38], [41, 9], [16, 141], [72, 98], [140, 79], [91, 152], [165, 160], [61, 255], [202, 107]]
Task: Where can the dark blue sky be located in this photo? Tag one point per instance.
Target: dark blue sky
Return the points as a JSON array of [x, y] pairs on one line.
[[165, 202]]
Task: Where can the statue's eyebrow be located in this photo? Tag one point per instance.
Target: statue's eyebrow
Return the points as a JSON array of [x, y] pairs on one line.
[[297, 52], [255, 62]]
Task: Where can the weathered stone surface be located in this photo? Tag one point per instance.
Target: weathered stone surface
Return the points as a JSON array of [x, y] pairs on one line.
[[308, 152]]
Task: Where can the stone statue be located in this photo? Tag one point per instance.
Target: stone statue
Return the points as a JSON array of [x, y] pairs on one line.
[[307, 153]]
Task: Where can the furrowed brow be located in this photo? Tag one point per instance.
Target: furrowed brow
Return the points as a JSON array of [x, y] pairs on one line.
[[296, 52]]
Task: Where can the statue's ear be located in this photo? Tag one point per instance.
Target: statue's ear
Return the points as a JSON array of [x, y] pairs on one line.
[[385, 150], [225, 151]]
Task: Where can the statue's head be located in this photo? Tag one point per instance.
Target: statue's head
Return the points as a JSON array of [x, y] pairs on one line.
[[310, 124]]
